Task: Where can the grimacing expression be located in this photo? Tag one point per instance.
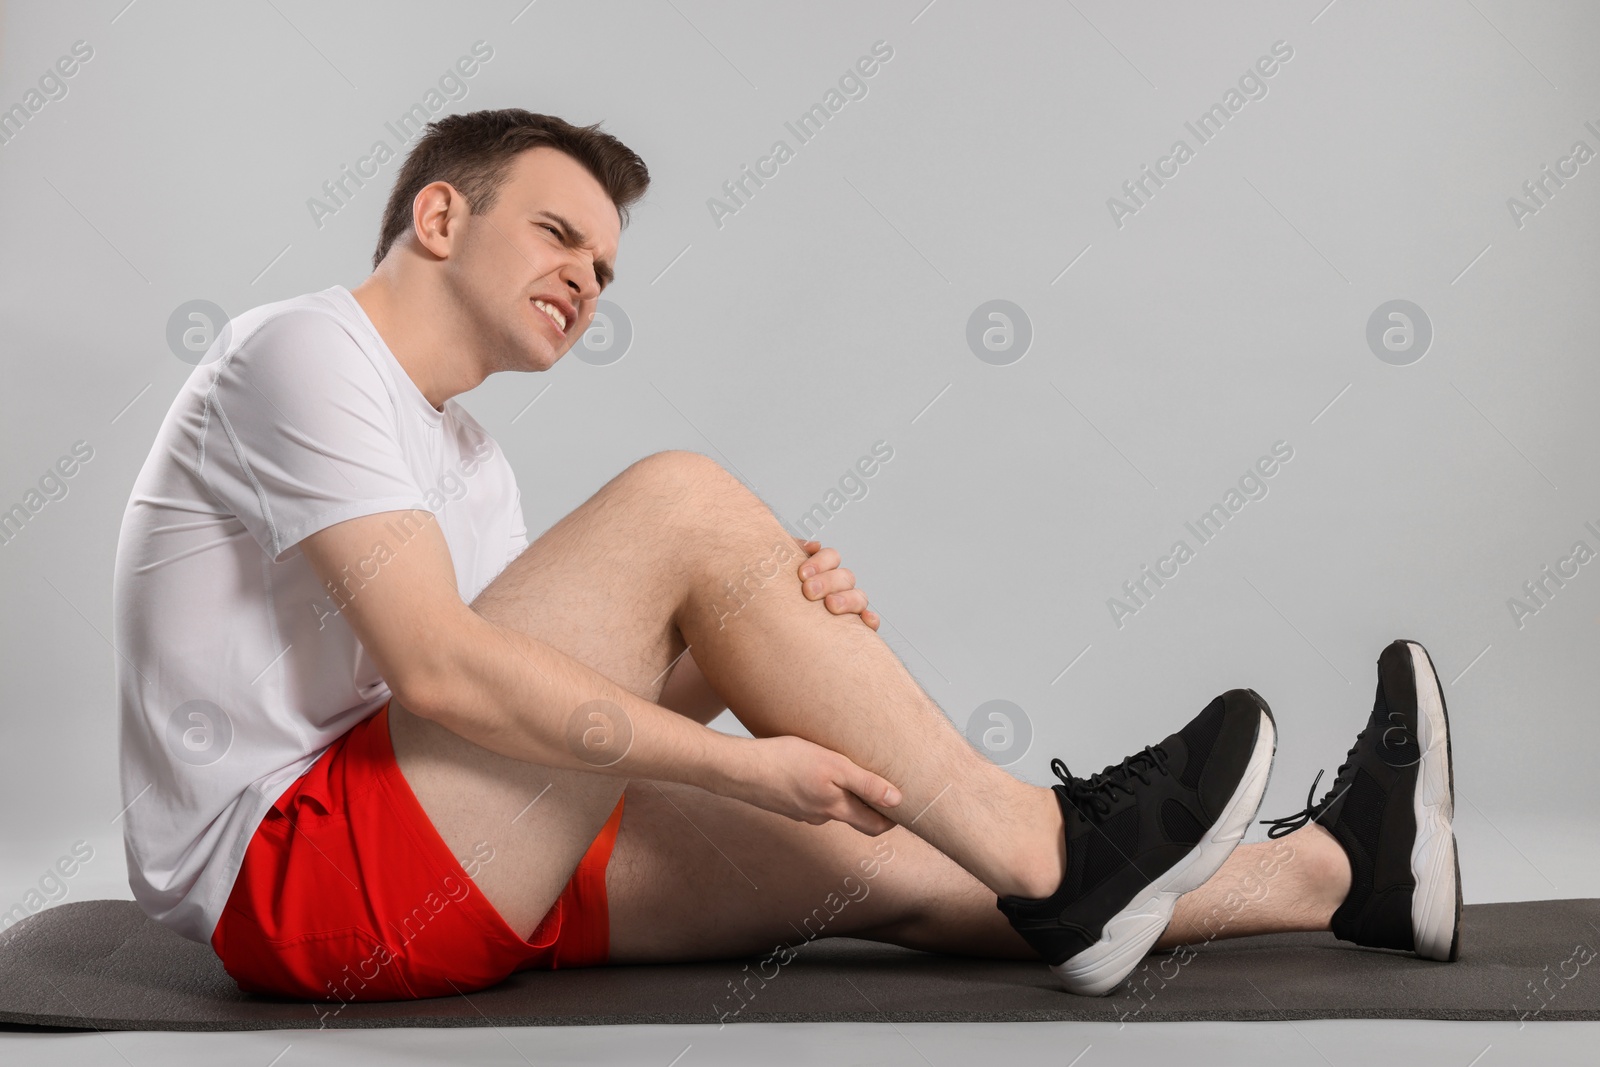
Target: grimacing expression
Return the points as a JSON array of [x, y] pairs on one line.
[[534, 265]]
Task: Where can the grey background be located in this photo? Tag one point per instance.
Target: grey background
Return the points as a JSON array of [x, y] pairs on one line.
[[1230, 312]]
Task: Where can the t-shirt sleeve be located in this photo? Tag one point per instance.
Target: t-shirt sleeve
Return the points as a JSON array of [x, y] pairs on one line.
[[299, 433], [519, 526]]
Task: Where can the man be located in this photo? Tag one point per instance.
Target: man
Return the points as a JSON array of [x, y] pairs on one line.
[[376, 745]]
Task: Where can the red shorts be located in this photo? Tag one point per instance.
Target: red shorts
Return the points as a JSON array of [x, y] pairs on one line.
[[347, 892]]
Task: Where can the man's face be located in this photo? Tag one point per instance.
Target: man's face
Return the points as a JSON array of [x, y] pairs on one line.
[[551, 237]]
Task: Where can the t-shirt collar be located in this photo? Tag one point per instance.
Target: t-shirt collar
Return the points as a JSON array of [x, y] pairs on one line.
[[431, 414]]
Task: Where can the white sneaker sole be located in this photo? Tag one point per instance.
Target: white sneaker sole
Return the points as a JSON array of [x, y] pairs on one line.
[[1128, 935], [1433, 854]]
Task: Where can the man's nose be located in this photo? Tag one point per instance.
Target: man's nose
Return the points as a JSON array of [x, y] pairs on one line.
[[581, 281]]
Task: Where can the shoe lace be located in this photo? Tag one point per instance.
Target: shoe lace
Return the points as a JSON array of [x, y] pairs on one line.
[[1313, 812], [1093, 796]]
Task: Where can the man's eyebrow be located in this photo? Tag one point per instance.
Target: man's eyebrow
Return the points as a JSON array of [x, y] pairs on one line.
[[602, 269]]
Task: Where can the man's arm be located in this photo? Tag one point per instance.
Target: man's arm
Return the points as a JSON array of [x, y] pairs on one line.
[[509, 692], [499, 688]]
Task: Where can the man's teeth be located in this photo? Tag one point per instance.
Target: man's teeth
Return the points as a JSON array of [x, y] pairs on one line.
[[555, 315]]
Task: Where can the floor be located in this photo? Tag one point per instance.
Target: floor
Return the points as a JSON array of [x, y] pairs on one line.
[[1417, 1044], [1513, 858]]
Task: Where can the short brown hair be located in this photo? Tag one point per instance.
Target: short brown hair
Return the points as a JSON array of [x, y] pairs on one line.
[[473, 153]]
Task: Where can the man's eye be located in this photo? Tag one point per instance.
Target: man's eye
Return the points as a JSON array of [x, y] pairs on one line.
[[552, 229]]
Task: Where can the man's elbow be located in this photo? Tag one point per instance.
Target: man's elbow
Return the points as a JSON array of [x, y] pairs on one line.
[[422, 697], [431, 682]]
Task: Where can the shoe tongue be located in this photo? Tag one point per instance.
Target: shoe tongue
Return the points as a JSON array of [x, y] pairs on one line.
[[1328, 813], [1121, 772], [1100, 785]]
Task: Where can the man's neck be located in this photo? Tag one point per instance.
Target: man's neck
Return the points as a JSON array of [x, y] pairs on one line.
[[422, 331]]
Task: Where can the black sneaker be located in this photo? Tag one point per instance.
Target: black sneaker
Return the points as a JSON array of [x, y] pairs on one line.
[[1391, 807], [1142, 833]]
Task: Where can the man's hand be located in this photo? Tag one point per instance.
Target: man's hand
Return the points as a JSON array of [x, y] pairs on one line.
[[686, 690], [812, 784], [822, 578]]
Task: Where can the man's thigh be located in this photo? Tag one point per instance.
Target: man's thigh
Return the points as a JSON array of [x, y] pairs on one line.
[[598, 586], [694, 875]]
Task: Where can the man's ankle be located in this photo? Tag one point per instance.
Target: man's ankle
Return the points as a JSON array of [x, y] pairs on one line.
[[1042, 867], [1327, 866]]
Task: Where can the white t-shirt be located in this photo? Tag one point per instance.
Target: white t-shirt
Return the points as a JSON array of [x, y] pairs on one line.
[[236, 665]]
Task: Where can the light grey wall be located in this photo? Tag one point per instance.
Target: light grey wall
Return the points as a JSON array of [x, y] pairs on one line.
[[1170, 347]]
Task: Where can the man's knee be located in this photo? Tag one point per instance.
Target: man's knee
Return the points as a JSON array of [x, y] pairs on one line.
[[688, 478], [678, 464]]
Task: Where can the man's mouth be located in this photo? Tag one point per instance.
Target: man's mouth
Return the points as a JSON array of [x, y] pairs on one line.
[[554, 314]]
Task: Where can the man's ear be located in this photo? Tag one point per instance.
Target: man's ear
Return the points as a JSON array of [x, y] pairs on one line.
[[434, 214]]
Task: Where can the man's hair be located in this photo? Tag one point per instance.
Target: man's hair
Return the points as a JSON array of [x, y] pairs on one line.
[[473, 152]]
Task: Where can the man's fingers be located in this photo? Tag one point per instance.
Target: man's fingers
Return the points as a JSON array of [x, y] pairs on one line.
[[871, 787], [837, 580], [864, 818], [825, 560], [850, 602]]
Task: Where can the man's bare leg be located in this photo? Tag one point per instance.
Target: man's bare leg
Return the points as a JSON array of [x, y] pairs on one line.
[[618, 584], [786, 665], [763, 662], [1293, 883], [676, 893]]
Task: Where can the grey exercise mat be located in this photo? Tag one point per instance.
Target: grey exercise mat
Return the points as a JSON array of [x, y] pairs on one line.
[[102, 964]]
